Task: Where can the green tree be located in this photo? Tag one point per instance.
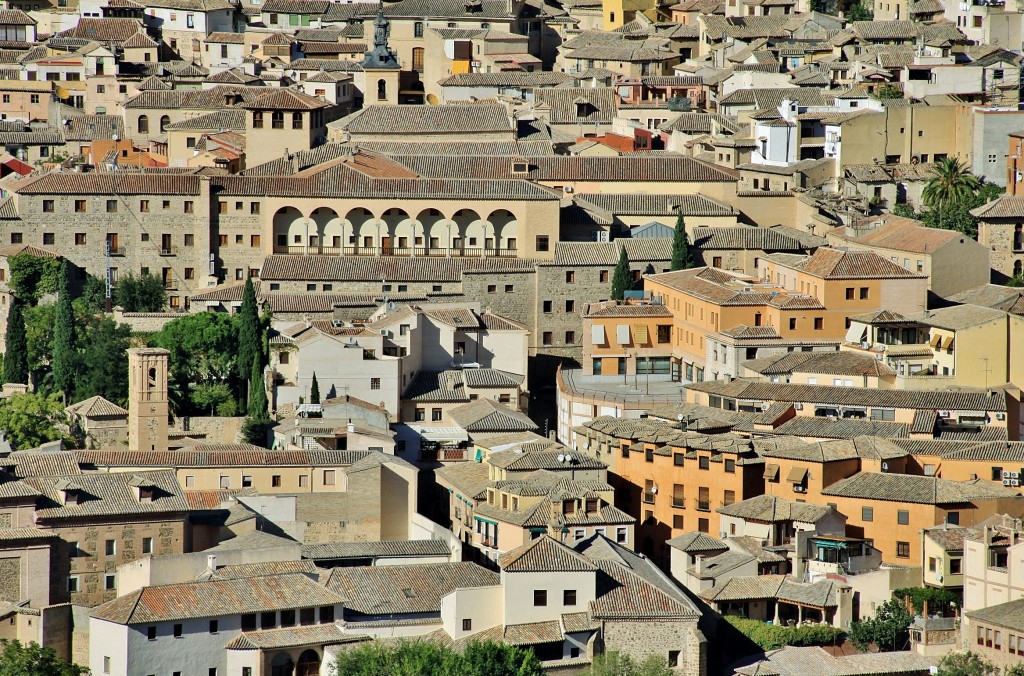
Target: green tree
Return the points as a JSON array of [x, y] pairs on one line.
[[682, 257], [39, 333], [217, 397], [487, 658], [33, 276], [203, 348], [16, 356], [145, 293], [965, 664], [250, 338], [887, 630], [950, 182], [18, 659], [314, 391], [939, 600], [93, 296], [621, 277], [64, 356], [1016, 282], [858, 12], [888, 91], [103, 360], [257, 393], [31, 419]]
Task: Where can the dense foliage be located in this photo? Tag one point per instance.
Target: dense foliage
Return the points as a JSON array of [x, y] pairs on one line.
[[773, 636], [16, 356], [888, 630], [145, 293], [33, 276], [203, 348], [420, 658], [939, 600], [618, 664], [950, 194], [64, 354], [18, 659], [31, 419]]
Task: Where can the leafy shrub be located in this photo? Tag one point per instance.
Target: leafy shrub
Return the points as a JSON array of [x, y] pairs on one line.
[[773, 636]]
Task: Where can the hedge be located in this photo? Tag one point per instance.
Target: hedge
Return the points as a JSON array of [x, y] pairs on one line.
[[773, 636]]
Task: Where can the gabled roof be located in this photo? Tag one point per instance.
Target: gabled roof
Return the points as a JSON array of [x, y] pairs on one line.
[[96, 407], [837, 264], [916, 489], [425, 119], [773, 509], [402, 589], [486, 415], [216, 598], [545, 555]]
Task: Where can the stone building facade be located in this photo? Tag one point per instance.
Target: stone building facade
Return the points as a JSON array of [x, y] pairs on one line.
[[1001, 229]]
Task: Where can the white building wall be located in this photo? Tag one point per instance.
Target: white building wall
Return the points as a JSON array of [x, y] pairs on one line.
[[519, 588], [484, 607]]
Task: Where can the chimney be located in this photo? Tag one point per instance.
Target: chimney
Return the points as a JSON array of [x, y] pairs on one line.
[[351, 428], [211, 563], [699, 563]]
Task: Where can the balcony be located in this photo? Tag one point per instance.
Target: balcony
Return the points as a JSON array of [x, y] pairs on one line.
[[171, 284], [114, 250], [299, 250], [445, 454], [168, 250], [679, 503], [703, 505]]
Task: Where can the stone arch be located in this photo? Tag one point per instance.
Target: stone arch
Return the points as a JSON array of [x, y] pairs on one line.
[[506, 230], [289, 230], [282, 665], [470, 229], [328, 230], [308, 664], [400, 230], [362, 224], [433, 230]]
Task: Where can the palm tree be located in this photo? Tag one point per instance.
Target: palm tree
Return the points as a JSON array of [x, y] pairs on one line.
[[950, 183]]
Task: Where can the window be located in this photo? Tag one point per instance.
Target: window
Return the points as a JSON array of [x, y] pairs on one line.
[[903, 517], [570, 277], [704, 462], [143, 124], [326, 614], [110, 547], [540, 597], [730, 466], [16, 238], [863, 293], [296, 120], [73, 584], [177, 631], [147, 545], [106, 664], [867, 514], [570, 337], [955, 566], [214, 628], [903, 550], [849, 293], [254, 208], [819, 323], [546, 306], [602, 277], [151, 633], [417, 29], [275, 481], [80, 207], [543, 243], [569, 597], [257, 120], [435, 414], [420, 415], [374, 383], [48, 206], [570, 306], [953, 518], [547, 338], [328, 477], [246, 481], [277, 120], [249, 622], [287, 618], [467, 624], [509, 288]]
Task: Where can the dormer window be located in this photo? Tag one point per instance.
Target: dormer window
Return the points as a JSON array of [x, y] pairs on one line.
[[568, 507], [520, 167], [591, 506]]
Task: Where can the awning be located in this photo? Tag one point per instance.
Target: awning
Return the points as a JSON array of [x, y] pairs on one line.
[[856, 333], [640, 333], [797, 475], [622, 334], [597, 334], [947, 342], [771, 472], [440, 434], [480, 518], [935, 339]]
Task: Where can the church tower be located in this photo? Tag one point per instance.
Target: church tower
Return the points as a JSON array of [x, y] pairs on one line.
[[147, 399], [381, 65]]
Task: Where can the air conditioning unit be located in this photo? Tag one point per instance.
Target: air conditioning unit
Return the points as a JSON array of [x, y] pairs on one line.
[[1000, 416], [797, 488], [798, 406], [943, 414]]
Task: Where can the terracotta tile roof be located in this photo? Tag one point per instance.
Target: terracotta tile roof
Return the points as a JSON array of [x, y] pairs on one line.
[[15, 17], [375, 549], [532, 633], [74, 183], [758, 239], [214, 455], [792, 661], [295, 6], [109, 494], [341, 268], [471, 478], [903, 234], [261, 569], [837, 264], [485, 415], [1009, 615], [96, 407], [773, 509], [545, 555], [104, 30], [506, 79], [404, 589], [425, 119], [933, 400], [950, 538], [915, 489], [15, 534], [215, 598], [43, 463], [658, 205], [595, 310], [294, 637], [696, 542], [208, 499], [284, 99], [843, 428]]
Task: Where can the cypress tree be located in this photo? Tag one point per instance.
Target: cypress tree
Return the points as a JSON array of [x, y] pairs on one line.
[[250, 344], [682, 257], [64, 337], [314, 391], [620, 279], [257, 393], [16, 357]]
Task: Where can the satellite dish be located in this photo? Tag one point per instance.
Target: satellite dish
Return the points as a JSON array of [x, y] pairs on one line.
[[561, 458], [392, 305], [654, 490], [433, 100]]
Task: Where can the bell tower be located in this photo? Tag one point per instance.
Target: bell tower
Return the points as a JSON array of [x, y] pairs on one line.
[[147, 399], [381, 65]]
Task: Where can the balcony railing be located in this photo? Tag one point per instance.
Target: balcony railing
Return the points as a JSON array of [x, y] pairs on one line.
[[648, 497], [170, 284], [703, 505], [116, 250], [679, 502], [168, 250], [299, 250], [445, 454]]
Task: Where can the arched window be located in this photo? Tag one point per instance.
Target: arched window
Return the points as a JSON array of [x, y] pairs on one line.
[[382, 90], [152, 377], [164, 121], [1018, 268], [143, 124]]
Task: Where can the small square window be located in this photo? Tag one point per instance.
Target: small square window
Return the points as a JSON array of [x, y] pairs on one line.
[[540, 597], [151, 633], [569, 597], [178, 631], [109, 582], [467, 624], [147, 545], [867, 514]]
